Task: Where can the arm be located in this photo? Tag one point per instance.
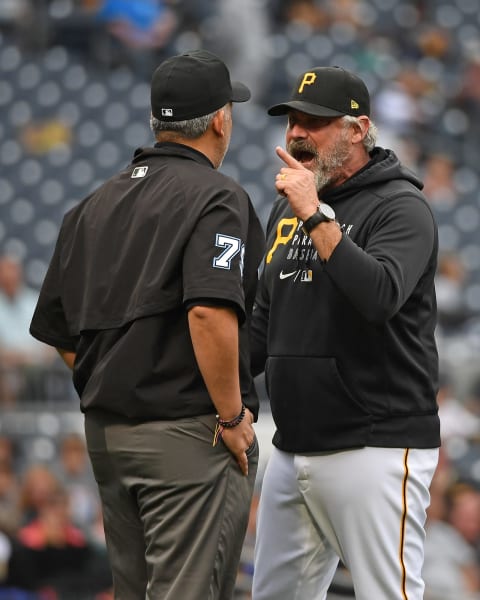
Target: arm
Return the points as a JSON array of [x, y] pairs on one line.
[[68, 357], [378, 279], [214, 333]]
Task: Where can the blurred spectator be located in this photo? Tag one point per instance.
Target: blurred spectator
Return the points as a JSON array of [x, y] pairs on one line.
[[8, 452], [37, 485], [136, 34], [434, 41], [397, 104], [53, 557], [22, 358], [141, 24], [10, 517], [472, 401], [74, 471], [307, 12], [468, 96], [456, 420], [451, 570], [438, 179], [453, 313], [238, 32], [347, 11], [12, 12], [442, 479]]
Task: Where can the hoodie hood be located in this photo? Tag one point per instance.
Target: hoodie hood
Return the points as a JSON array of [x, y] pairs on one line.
[[383, 166]]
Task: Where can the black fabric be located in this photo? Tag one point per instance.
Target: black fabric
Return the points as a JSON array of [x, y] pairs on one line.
[[62, 569], [326, 92], [128, 259], [192, 85], [350, 342]]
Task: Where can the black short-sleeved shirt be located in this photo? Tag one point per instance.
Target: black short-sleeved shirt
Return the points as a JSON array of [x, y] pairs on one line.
[[167, 232]]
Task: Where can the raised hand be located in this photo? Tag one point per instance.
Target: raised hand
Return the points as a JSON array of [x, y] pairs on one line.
[[298, 185]]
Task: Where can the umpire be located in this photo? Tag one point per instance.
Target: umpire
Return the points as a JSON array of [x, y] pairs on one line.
[[148, 299]]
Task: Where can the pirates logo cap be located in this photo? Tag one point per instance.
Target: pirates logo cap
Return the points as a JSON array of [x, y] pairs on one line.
[[327, 92]]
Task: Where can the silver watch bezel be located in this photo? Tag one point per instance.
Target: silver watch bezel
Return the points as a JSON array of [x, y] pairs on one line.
[[327, 211]]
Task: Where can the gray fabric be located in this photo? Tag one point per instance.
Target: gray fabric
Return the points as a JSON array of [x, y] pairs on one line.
[[163, 482]]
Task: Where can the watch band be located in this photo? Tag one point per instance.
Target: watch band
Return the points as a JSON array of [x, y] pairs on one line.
[[324, 213], [313, 221]]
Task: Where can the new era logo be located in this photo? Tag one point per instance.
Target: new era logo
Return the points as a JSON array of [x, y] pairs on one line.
[[139, 172], [167, 112]]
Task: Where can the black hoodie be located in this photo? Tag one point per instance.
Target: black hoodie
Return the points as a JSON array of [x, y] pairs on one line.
[[349, 344]]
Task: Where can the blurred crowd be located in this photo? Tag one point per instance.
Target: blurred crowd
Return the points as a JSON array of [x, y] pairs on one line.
[[421, 60], [52, 545]]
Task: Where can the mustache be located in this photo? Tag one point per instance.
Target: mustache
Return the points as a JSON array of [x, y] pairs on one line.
[[296, 147]]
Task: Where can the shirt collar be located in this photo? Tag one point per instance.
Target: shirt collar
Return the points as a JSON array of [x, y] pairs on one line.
[[172, 149]]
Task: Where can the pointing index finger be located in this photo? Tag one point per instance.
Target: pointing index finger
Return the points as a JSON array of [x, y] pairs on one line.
[[288, 159]]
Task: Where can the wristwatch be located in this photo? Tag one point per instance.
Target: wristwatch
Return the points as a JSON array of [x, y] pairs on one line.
[[324, 213]]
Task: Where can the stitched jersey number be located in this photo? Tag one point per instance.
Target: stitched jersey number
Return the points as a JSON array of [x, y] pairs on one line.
[[232, 248]]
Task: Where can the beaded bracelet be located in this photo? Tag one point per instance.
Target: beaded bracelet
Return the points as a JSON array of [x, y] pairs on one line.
[[233, 422], [221, 425]]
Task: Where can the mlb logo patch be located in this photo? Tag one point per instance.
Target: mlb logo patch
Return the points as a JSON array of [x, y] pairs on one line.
[[139, 172], [167, 112], [307, 276]]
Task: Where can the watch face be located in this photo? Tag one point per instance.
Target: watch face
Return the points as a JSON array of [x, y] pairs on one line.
[[327, 210]]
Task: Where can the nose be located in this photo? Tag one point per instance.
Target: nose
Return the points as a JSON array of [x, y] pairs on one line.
[[296, 131]]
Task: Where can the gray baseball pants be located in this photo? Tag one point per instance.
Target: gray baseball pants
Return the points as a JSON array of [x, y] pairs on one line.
[[175, 508], [366, 507]]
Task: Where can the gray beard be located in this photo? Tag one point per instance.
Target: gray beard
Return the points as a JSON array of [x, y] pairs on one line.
[[329, 170]]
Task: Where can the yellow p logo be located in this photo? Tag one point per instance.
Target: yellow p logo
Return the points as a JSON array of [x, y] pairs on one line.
[[308, 79], [285, 230]]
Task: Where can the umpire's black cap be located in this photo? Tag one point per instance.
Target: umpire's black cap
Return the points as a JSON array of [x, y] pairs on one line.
[[191, 85]]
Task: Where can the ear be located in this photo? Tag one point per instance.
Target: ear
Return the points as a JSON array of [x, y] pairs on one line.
[[360, 130], [218, 122]]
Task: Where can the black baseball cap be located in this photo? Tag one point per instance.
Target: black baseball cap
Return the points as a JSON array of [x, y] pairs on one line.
[[327, 92], [191, 85]]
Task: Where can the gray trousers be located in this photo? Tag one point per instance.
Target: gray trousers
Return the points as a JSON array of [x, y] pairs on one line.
[[175, 508], [366, 506]]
